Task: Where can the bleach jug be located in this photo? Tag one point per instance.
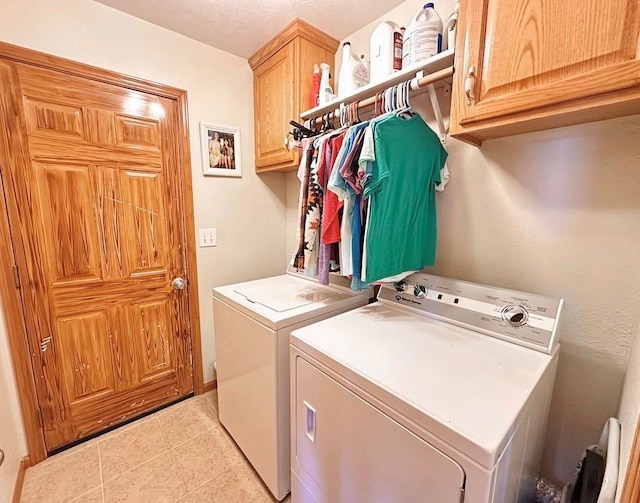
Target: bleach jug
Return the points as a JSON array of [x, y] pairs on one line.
[[423, 37], [353, 73], [385, 50]]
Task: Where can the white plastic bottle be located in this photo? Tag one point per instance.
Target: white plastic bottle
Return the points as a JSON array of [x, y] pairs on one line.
[[451, 27], [423, 37], [353, 72], [385, 50], [326, 93]]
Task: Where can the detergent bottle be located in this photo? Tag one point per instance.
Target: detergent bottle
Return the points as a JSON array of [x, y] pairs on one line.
[[385, 51], [423, 37], [353, 72]]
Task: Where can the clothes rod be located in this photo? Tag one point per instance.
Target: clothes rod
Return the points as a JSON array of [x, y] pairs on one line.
[[367, 102]]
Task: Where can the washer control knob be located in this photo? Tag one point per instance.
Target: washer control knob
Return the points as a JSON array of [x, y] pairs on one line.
[[400, 286], [516, 316], [420, 291]]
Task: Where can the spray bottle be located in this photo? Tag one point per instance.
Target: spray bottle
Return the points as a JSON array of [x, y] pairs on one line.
[[326, 93], [314, 92]]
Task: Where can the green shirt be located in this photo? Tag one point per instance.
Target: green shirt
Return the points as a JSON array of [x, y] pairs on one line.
[[401, 233]]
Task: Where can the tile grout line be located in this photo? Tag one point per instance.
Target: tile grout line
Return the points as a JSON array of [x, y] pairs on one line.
[[101, 474]]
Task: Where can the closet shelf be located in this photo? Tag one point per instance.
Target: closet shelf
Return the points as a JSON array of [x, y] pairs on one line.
[[439, 62]]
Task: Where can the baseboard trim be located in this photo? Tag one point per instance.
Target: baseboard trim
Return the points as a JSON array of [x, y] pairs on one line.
[[211, 385], [17, 489]]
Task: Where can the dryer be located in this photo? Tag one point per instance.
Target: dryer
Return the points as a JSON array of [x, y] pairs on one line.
[[252, 322], [436, 393]]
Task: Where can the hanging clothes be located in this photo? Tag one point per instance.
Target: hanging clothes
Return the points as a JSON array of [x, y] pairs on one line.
[[304, 170], [401, 230]]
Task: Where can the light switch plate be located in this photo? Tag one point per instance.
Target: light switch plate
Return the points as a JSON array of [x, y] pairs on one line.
[[207, 237]]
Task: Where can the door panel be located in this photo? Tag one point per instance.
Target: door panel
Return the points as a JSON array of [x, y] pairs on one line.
[[68, 222], [84, 342], [95, 186], [153, 321], [49, 118], [145, 221]]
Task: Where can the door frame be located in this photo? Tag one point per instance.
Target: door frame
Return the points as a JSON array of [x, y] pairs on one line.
[[9, 271]]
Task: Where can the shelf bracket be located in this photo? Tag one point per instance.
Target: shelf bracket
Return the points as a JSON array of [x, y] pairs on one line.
[[435, 104]]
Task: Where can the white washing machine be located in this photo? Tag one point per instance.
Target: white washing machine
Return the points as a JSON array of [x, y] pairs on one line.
[[252, 323], [436, 393]]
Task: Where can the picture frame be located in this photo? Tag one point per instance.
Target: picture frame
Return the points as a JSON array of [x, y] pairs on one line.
[[221, 150]]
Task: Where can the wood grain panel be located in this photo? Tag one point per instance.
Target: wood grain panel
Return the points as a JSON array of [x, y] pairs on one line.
[[73, 151], [100, 126], [109, 410], [274, 102], [152, 320], [139, 133], [145, 221], [70, 298], [14, 318], [30, 255], [125, 359], [541, 64], [84, 342], [105, 184], [56, 87], [44, 118], [68, 221], [100, 95]]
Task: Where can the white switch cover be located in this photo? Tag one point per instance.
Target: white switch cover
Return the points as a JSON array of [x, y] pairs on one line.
[[207, 237]]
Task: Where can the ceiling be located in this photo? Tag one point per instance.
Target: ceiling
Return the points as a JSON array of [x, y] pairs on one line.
[[241, 27]]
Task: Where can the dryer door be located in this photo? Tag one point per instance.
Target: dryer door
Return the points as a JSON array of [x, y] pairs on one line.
[[349, 451]]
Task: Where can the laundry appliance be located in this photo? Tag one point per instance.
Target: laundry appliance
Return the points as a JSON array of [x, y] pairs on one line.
[[436, 393], [252, 323]]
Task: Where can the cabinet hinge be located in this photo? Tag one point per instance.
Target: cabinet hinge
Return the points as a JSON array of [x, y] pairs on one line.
[[16, 277], [39, 418]]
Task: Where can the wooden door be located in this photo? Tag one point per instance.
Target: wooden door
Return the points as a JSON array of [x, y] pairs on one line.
[[275, 100], [528, 55], [94, 190]]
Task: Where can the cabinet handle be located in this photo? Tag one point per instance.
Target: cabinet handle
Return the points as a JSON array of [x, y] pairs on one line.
[[311, 421], [469, 83]]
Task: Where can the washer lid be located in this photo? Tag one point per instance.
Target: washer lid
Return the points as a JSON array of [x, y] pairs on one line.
[[285, 300], [467, 389], [283, 293]]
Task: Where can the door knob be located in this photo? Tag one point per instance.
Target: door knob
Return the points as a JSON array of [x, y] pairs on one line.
[[178, 284]]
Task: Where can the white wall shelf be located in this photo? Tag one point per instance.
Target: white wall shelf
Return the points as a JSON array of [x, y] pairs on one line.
[[436, 63]]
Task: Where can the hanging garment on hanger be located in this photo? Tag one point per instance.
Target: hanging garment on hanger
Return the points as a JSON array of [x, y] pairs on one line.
[[339, 186], [401, 233], [333, 206], [314, 210], [328, 256], [303, 175]]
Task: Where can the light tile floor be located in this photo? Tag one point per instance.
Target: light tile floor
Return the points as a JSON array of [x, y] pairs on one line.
[[180, 454]]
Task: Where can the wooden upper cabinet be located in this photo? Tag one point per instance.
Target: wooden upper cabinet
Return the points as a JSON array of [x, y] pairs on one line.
[[282, 73], [536, 64]]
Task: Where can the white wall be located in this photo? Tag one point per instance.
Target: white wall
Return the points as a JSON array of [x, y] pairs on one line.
[[12, 440], [629, 412], [554, 213]]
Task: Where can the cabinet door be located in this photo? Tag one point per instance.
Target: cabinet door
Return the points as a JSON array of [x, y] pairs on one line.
[[275, 98], [349, 451], [535, 58]]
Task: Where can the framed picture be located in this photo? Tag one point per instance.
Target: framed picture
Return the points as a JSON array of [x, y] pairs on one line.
[[220, 150]]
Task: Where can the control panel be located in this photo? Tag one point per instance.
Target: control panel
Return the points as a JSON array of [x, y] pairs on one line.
[[521, 318]]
